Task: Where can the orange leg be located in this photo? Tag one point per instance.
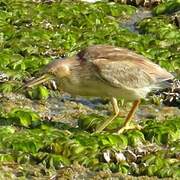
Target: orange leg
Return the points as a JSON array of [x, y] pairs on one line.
[[116, 112], [129, 116]]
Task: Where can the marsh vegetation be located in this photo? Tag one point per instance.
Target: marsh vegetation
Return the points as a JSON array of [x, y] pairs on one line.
[[48, 134]]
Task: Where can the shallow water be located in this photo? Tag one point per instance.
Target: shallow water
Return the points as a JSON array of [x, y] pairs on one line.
[[67, 109], [141, 13]]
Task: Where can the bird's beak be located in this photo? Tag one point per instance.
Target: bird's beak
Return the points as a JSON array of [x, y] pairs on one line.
[[37, 81]]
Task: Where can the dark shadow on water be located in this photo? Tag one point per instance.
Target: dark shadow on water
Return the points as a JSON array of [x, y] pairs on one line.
[[92, 103]]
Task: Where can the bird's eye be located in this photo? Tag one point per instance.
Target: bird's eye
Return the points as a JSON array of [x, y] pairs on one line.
[[51, 73]]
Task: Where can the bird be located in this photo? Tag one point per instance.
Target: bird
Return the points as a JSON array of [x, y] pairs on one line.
[[109, 72]]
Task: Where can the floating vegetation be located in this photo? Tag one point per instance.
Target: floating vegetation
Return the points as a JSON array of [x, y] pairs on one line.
[[36, 145], [134, 152]]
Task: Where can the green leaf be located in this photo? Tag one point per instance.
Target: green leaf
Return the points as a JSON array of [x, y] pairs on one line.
[[135, 138], [6, 158], [40, 93], [24, 117]]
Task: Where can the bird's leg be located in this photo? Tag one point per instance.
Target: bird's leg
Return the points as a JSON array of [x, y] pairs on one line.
[[131, 112], [108, 121], [129, 116], [115, 105]]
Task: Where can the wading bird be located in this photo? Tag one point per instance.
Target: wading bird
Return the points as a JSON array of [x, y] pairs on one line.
[[107, 71]]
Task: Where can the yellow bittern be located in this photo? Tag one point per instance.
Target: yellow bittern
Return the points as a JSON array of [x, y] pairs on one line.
[[107, 71]]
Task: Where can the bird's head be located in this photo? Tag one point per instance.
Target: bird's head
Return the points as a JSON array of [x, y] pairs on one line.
[[57, 70]]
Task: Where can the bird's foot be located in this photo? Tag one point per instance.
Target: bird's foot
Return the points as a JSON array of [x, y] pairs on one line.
[[129, 127]]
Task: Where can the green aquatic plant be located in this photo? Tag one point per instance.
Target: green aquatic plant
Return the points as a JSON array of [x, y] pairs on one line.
[[23, 117], [31, 35], [167, 7], [162, 132], [165, 48], [53, 147]]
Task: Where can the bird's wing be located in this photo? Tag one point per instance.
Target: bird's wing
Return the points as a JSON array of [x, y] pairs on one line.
[[122, 73], [120, 66]]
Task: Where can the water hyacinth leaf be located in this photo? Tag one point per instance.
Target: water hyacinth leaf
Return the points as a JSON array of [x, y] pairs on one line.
[[25, 118], [6, 87], [176, 173], [39, 92], [167, 7], [88, 142], [77, 149], [33, 63], [118, 122], [57, 161], [23, 158], [25, 146], [165, 28], [152, 170], [43, 92], [86, 161], [119, 140], [115, 141], [169, 171], [135, 138], [163, 133], [120, 167], [5, 130], [90, 122], [159, 164], [23, 141], [6, 158], [123, 169], [5, 58]]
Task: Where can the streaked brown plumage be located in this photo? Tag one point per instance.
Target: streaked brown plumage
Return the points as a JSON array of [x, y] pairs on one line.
[[107, 71]]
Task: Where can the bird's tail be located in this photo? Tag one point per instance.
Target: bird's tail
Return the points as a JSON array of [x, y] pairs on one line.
[[165, 84]]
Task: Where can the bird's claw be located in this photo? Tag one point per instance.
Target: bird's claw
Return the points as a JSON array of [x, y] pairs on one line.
[[129, 127]]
